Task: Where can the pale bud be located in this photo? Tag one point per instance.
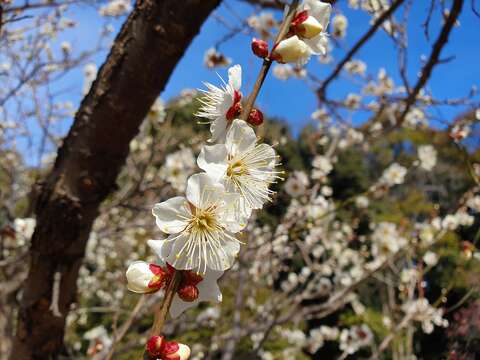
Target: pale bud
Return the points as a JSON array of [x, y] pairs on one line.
[[291, 50], [144, 278], [309, 28]]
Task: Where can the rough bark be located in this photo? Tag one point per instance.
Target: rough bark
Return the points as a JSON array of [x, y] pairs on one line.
[[144, 54]]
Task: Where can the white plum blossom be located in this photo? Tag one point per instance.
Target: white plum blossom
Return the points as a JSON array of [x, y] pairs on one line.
[[221, 105], [322, 166], [201, 226], [386, 240], [297, 184], [178, 166], [115, 8], [242, 166], [213, 59], [99, 342], [356, 67], [420, 310], [90, 73], [24, 227], [393, 175], [308, 34], [430, 258], [263, 24], [362, 202], [157, 112], [427, 156], [339, 24], [351, 340], [208, 290], [285, 71], [474, 203]]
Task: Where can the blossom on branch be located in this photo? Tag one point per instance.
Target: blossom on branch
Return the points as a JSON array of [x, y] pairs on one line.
[[201, 226], [222, 105]]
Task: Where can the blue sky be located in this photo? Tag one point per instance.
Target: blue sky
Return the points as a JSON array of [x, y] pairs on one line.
[[293, 100]]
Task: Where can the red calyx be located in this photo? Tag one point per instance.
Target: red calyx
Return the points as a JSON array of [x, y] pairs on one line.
[[301, 17], [297, 20], [160, 277], [255, 117], [188, 291], [260, 48], [158, 348], [236, 109], [155, 346]]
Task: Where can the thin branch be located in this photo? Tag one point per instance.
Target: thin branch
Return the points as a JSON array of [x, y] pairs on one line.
[[381, 19], [434, 58]]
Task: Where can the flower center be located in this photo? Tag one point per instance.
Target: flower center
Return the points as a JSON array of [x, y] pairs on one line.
[[204, 221], [237, 168]]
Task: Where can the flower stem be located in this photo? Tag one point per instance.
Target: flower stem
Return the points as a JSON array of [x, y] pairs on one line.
[[267, 62], [162, 311]]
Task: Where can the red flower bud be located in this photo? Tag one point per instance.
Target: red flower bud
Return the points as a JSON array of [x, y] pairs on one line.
[[255, 117], [260, 48], [234, 111], [188, 293], [155, 346]]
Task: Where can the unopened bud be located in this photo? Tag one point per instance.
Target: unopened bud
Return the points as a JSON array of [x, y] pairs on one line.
[[188, 293], [176, 351], [260, 48], [291, 50], [155, 346], [255, 117], [144, 278]]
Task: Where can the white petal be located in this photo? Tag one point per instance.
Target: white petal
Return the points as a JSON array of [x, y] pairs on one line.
[[293, 50], [213, 160], [318, 44], [202, 191], [171, 250], [172, 215], [235, 213], [208, 288], [158, 248], [218, 128], [320, 11], [138, 276], [179, 306], [240, 138], [235, 77]]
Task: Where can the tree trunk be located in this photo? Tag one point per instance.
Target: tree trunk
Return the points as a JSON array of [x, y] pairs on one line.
[[144, 54]]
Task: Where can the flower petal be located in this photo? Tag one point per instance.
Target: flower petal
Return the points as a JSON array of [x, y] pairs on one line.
[[319, 10], [213, 160], [172, 215], [208, 288], [318, 44], [218, 128], [158, 248], [235, 77], [240, 138], [202, 191]]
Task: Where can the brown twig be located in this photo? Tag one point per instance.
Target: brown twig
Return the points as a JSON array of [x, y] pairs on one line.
[[162, 311], [434, 58], [381, 19], [125, 326]]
